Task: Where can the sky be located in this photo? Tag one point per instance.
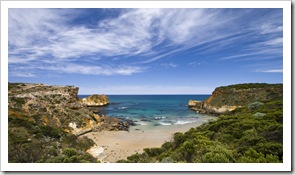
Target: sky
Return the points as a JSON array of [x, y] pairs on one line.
[[145, 51]]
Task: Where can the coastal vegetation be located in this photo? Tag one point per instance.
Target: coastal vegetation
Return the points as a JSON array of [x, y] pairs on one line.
[[33, 142], [249, 134], [244, 94]]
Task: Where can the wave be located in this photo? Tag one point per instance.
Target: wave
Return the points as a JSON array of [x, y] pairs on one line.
[[182, 122], [164, 123]]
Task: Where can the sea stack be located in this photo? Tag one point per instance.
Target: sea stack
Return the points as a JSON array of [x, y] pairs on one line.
[[96, 100]]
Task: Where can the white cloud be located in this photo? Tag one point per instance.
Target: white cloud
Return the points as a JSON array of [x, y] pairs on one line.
[[47, 36], [271, 71], [275, 42], [72, 68], [28, 26], [22, 74], [39, 32], [148, 89], [271, 28]]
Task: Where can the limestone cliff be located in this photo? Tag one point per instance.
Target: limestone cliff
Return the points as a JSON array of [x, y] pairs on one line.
[[228, 98], [52, 105], [58, 106]]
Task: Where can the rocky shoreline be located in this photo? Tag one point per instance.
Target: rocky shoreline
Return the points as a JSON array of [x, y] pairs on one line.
[[228, 98], [203, 108]]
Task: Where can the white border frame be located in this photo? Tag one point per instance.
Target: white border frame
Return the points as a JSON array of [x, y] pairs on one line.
[[285, 166]]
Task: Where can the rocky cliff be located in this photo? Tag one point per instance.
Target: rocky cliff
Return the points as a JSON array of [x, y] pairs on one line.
[[228, 98], [52, 105], [59, 106], [45, 122]]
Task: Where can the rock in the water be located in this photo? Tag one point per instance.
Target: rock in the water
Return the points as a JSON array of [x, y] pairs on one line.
[[193, 103], [96, 100]]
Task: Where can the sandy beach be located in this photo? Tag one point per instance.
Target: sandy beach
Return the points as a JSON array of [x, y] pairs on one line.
[[116, 145]]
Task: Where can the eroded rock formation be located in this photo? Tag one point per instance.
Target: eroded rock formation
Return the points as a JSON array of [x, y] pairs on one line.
[[228, 98], [59, 106], [95, 100]]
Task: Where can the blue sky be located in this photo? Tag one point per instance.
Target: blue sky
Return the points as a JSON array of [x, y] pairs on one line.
[[145, 51]]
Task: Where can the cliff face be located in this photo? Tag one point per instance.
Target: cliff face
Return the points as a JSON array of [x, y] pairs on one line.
[[45, 122], [228, 98], [51, 105], [58, 106]]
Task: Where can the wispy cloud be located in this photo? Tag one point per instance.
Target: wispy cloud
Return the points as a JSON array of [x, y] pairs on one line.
[[49, 40], [45, 35], [271, 28], [271, 71], [95, 70], [22, 74], [71, 68], [152, 89], [275, 42]]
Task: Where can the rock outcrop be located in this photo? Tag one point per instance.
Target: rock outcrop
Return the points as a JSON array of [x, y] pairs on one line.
[[228, 98], [59, 106], [194, 103], [54, 105], [96, 100]]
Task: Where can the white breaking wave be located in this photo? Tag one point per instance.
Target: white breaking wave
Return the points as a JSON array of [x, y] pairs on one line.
[[163, 123], [181, 122]]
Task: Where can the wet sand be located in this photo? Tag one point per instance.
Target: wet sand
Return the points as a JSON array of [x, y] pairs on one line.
[[116, 145]]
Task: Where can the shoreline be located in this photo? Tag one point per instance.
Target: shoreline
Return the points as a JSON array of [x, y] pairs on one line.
[[111, 146]]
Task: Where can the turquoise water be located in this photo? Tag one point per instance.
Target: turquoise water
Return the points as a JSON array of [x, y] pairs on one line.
[[153, 109]]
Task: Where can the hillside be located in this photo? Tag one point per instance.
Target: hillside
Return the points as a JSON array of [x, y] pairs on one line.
[[228, 98], [252, 133], [45, 122]]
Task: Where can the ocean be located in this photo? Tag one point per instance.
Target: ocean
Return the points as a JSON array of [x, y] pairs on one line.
[[154, 110]]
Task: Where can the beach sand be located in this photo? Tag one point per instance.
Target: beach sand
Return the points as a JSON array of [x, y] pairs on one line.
[[117, 145]]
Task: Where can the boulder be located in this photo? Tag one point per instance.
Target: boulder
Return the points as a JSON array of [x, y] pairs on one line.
[[192, 103], [96, 100]]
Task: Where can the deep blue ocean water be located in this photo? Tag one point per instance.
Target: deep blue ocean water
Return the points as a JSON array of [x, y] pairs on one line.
[[153, 109]]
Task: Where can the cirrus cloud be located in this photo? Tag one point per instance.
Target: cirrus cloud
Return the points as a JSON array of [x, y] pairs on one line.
[[137, 36]]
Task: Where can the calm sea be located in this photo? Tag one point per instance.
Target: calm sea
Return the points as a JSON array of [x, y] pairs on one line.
[[154, 109]]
